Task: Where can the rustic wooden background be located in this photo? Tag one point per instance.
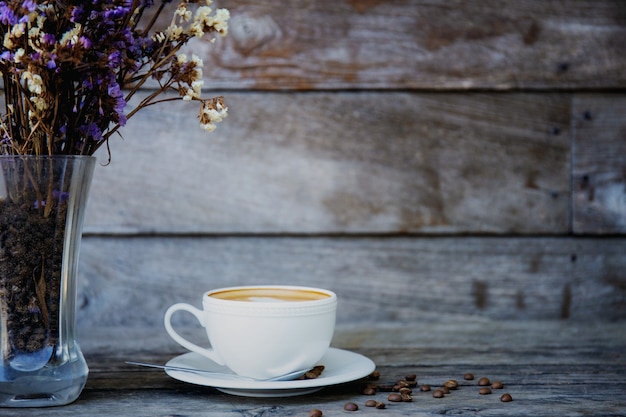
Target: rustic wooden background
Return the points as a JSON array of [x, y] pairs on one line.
[[437, 160]]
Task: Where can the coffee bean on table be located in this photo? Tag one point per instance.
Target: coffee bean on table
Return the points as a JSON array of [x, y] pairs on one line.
[[452, 384], [483, 382], [369, 390], [410, 377], [444, 389], [497, 385], [394, 397], [375, 375], [438, 393], [380, 405], [404, 383], [370, 403], [350, 407], [405, 394], [505, 398], [425, 387], [484, 391], [468, 377], [315, 413]]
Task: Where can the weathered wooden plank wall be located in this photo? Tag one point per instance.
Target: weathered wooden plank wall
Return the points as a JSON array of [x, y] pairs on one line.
[[421, 158]]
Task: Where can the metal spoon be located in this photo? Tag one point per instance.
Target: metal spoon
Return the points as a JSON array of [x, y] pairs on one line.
[[233, 377]]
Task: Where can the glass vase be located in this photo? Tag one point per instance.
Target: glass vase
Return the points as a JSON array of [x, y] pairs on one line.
[[42, 207]]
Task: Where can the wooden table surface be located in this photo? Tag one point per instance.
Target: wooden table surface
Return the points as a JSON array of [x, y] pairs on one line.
[[557, 368]]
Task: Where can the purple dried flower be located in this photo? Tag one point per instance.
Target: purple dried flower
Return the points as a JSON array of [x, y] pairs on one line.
[[29, 5], [85, 42], [49, 38], [115, 92], [51, 64], [78, 14], [7, 16], [91, 131], [7, 56]]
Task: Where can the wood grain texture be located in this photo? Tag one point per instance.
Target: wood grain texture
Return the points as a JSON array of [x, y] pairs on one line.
[[130, 282], [494, 44], [549, 367], [599, 165], [343, 162]]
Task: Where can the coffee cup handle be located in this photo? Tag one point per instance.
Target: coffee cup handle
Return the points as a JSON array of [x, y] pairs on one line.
[[199, 314]]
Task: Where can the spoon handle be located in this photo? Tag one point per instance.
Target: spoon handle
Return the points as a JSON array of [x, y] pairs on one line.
[[231, 377], [197, 371]]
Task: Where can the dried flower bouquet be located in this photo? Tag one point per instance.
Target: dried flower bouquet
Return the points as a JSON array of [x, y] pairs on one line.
[[69, 70]]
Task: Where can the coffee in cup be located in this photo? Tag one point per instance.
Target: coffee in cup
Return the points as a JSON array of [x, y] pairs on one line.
[[263, 331]]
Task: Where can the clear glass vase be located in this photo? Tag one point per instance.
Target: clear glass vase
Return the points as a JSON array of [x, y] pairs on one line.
[[42, 206]]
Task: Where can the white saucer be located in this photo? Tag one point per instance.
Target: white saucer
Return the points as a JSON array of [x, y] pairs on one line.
[[340, 366]]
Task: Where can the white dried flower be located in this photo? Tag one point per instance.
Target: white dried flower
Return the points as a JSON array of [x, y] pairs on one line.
[[197, 60], [174, 32], [183, 12], [159, 37], [19, 54], [34, 82], [212, 111], [7, 42], [40, 103], [218, 22], [71, 36], [221, 21]]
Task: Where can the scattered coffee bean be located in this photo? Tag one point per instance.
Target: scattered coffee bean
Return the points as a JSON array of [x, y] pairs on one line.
[[370, 403], [369, 390], [315, 413], [452, 384], [401, 391], [375, 375], [394, 398], [405, 394], [505, 398], [350, 407], [483, 382], [438, 393], [403, 383]]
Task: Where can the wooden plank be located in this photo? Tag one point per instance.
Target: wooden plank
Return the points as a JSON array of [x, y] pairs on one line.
[[599, 164], [441, 44], [389, 162], [597, 399], [130, 282], [437, 343]]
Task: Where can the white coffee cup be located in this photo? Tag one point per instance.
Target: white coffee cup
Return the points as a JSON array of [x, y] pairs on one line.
[[263, 331]]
